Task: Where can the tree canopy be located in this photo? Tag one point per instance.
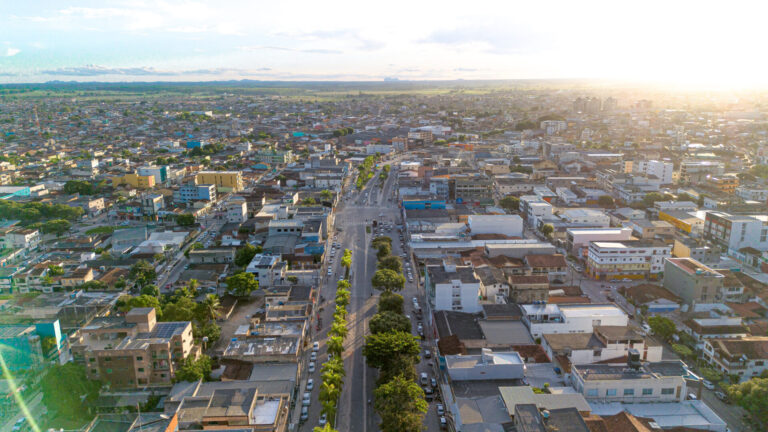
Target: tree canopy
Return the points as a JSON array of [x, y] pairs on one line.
[[143, 273], [382, 348], [401, 405], [391, 263], [242, 284], [66, 390], [509, 202], [185, 219], [389, 321], [662, 326], [245, 254], [390, 302], [194, 369], [387, 280], [752, 395]]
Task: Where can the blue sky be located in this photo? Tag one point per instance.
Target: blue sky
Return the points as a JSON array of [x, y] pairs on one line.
[[119, 40]]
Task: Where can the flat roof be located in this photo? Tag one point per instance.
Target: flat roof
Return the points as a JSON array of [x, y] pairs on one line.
[[690, 413]]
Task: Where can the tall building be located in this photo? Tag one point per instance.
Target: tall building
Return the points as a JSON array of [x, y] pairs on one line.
[[231, 181], [692, 281], [734, 232], [634, 259], [610, 104], [663, 170]]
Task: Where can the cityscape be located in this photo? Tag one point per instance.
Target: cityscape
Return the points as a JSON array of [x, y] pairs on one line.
[[234, 229]]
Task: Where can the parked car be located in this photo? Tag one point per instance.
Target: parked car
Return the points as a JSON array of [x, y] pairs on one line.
[[323, 420], [433, 382], [427, 354], [313, 356], [304, 413], [443, 423], [311, 367], [310, 384], [708, 385], [316, 346], [440, 410], [692, 396], [722, 396], [307, 399]]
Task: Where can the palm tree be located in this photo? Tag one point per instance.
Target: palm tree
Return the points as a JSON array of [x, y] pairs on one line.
[[342, 297], [336, 345], [339, 329], [211, 306]]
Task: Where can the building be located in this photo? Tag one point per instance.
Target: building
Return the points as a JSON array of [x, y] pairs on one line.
[[134, 350], [753, 193], [528, 288], [488, 365], [274, 157], [647, 229], [689, 222], [453, 288], [160, 173], [135, 180], [685, 247], [237, 211], [588, 217], [734, 232], [662, 381], [267, 269], [151, 204], [21, 238], [725, 184], [573, 318], [195, 192], [603, 344], [746, 357], [578, 239], [529, 418], [508, 225], [20, 347], [692, 281], [212, 256], [228, 181], [663, 170], [636, 259]]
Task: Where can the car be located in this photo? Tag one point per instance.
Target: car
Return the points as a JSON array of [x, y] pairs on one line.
[[722, 396], [310, 384], [313, 356], [708, 385], [647, 329], [311, 367], [443, 423], [433, 382], [315, 346], [440, 410], [429, 394], [692, 396], [427, 354], [307, 399], [323, 420], [304, 413]]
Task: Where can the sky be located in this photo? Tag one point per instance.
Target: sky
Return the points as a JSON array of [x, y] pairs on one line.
[[673, 41]]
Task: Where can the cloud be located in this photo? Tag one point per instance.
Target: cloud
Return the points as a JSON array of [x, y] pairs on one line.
[[10, 52], [300, 50], [509, 39], [96, 70], [340, 35], [465, 70]]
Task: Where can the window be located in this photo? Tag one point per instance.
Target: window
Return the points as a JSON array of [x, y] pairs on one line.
[[592, 393], [139, 358], [629, 392], [610, 392], [647, 391]]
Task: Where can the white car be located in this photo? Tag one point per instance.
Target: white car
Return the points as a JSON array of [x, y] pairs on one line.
[[307, 399], [310, 384], [323, 420], [311, 367], [313, 356], [316, 346]]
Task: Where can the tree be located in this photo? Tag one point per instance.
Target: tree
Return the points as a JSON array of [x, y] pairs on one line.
[[194, 369], [126, 303], [142, 273], [326, 428], [380, 349], [150, 290], [392, 263], [752, 395], [389, 321], [329, 397], [652, 197], [326, 194], [242, 284], [210, 330], [387, 280], [682, 350], [378, 241], [384, 251], [343, 297], [346, 259], [208, 309], [335, 345], [79, 187], [56, 226], [510, 203], [547, 230], [662, 327], [401, 405], [182, 309], [685, 197], [605, 201], [339, 328], [185, 219], [55, 270], [67, 391], [195, 246], [391, 302], [245, 254]]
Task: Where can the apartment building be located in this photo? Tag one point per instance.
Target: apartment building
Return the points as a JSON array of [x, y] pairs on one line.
[[237, 212], [135, 180], [195, 192], [634, 259], [734, 232], [227, 181], [578, 239], [753, 193], [160, 173], [662, 381], [663, 170], [746, 357], [544, 319], [134, 350], [725, 184], [21, 238], [693, 281], [453, 288], [698, 171]]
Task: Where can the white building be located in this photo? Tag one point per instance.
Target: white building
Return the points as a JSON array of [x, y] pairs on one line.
[[746, 357], [577, 318], [634, 259], [734, 232], [22, 238], [535, 208], [509, 225], [651, 382], [586, 217], [578, 239], [237, 212], [603, 344], [267, 269], [663, 170], [488, 365], [453, 288], [752, 193]]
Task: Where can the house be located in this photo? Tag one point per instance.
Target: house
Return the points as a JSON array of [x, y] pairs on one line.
[[746, 357], [76, 277], [528, 288], [715, 328], [553, 266], [603, 344], [267, 269], [21, 238], [656, 298]]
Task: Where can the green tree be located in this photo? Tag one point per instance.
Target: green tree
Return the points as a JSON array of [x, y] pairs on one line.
[[192, 369], [142, 273], [208, 309], [400, 404], [662, 327], [182, 309], [126, 303], [392, 263], [210, 330], [185, 219], [380, 349], [67, 392], [380, 240], [389, 321], [510, 203], [682, 350], [346, 259], [605, 201], [326, 194], [55, 270], [653, 197], [79, 187], [685, 197], [384, 251], [547, 230], [339, 328], [245, 254], [150, 290], [56, 226], [387, 280], [195, 246], [335, 345], [343, 296], [326, 428], [390, 302], [752, 395], [242, 284]]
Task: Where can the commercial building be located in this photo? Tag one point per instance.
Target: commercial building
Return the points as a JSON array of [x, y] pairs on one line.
[[690, 222], [578, 239], [746, 357], [734, 232], [603, 344], [488, 365], [508, 225], [237, 211], [160, 173], [573, 318], [453, 288], [634, 382], [692, 281], [229, 181], [589, 217], [195, 192], [638, 259], [134, 350]]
